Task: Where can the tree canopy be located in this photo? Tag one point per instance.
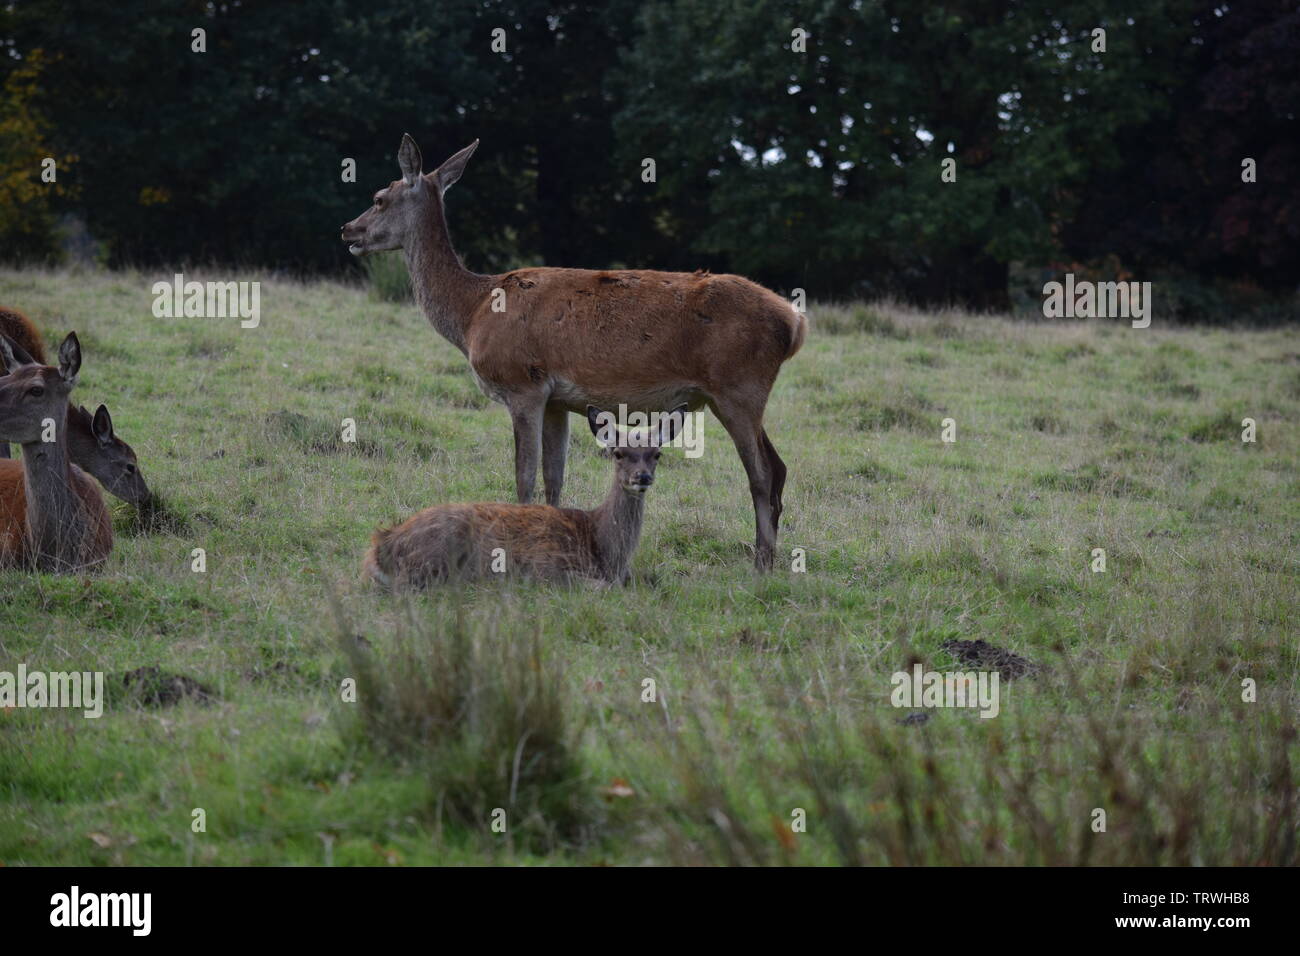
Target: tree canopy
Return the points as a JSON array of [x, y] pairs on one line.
[[801, 144]]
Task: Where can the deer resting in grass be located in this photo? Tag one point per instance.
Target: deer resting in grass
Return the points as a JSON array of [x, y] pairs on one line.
[[92, 443], [52, 515], [569, 338], [534, 541]]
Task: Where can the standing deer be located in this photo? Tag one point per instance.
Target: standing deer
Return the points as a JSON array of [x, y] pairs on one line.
[[92, 443], [52, 516], [534, 541], [572, 337]]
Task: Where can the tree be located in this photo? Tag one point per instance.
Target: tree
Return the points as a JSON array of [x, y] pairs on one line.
[[823, 168], [29, 169], [1177, 202], [234, 154]]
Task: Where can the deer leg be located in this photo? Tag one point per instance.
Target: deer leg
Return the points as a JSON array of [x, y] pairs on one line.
[[555, 449], [527, 420], [746, 431], [778, 479], [4, 449]]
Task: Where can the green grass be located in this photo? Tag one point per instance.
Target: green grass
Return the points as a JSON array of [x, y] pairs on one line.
[[388, 277], [772, 693]]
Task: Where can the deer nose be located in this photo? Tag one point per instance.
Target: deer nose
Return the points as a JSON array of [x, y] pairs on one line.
[[644, 478]]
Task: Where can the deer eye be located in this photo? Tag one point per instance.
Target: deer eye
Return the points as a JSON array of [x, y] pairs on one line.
[[36, 391], [130, 468], [657, 454], [618, 455]]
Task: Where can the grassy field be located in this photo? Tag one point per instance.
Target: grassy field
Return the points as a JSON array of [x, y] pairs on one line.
[[771, 694]]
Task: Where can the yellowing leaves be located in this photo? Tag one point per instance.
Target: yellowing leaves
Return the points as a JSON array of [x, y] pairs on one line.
[[784, 833], [155, 196], [618, 789], [26, 222]]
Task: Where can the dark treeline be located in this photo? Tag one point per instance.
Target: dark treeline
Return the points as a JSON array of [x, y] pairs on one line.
[[817, 169]]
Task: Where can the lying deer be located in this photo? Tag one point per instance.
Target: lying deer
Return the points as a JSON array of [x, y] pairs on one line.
[[52, 515], [22, 330], [542, 542], [92, 443], [572, 337], [95, 447]]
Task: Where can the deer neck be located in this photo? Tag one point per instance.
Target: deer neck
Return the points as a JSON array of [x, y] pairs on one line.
[[55, 520], [618, 529], [445, 290]]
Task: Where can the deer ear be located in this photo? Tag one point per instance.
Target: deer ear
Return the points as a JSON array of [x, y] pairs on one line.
[[70, 359], [671, 423], [102, 425], [447, 174], [602, 426], [409, 160], [12, 355]]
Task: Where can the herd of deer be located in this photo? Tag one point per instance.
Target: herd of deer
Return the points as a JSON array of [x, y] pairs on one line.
[[52, 516], [545, 342]]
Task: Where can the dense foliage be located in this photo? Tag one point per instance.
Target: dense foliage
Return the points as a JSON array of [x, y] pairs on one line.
[[813, 163]]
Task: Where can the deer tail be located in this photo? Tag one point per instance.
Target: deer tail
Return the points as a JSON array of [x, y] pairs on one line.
[[798, 332]]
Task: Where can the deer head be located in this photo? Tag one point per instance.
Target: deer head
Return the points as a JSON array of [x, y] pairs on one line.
[[97, 449], [404, 204], [635, 451], [31, 393]]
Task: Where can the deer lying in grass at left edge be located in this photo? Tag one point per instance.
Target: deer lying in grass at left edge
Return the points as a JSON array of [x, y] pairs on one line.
[[52, 515], [542, 542], [92, 443]]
